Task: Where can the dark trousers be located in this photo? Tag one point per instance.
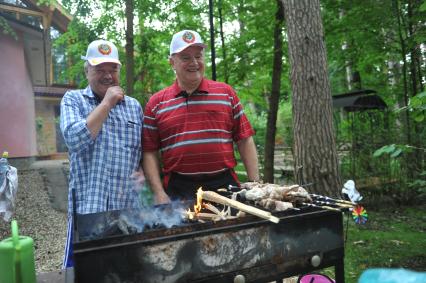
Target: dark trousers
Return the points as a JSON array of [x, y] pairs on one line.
[[184, 187]]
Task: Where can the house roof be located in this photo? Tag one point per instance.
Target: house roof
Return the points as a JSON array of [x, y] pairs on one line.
[[359, 100], [60, 18]]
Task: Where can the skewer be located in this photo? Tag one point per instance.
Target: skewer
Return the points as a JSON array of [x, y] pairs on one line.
[[293, 208], [331, 199], [334, 203], [232, 188], [320, 206], [307, 184]]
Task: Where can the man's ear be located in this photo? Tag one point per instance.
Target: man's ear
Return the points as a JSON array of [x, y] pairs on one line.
[[172, 62]]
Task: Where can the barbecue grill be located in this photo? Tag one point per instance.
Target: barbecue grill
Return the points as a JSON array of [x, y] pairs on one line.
[[245, 249]]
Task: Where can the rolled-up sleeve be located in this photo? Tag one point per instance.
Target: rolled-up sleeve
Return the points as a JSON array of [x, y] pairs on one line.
[[73, 123]]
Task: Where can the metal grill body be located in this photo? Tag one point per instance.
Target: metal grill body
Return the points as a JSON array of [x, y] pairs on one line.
[[259, 250]]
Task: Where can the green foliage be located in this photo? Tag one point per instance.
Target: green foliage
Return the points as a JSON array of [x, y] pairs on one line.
[[284, 133], [258, 122], [39, 123], [419, 185], [417, 107], [249, 50], [359, 134], [362, 47], [394, 150], [6, 29], [75, 41]]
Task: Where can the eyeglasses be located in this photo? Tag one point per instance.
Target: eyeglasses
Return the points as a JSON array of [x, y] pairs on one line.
[[188, 58], [102, 72]]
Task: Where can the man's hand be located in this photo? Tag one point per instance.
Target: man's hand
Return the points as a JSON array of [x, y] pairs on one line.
[[161, 198], [114, 95], [96, 118]]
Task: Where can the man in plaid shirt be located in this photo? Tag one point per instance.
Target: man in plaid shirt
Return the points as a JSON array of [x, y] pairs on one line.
[[102, 128]]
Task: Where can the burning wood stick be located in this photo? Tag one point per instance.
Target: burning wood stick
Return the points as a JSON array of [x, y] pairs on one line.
[[203, 216], [213, 209], [215, 197]]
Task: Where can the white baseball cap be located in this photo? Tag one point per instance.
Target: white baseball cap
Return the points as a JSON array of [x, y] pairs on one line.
[[185, 39], [101, 51]]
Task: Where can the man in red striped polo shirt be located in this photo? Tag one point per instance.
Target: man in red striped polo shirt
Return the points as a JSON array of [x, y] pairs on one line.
[[193, 125]]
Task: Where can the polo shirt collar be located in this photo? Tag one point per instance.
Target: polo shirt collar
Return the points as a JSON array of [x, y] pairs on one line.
[[203, 88]]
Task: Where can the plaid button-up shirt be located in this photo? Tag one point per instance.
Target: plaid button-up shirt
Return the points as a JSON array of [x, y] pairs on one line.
[[100, 168]]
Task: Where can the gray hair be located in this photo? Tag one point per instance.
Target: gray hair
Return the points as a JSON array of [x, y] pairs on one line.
[[86, 66]]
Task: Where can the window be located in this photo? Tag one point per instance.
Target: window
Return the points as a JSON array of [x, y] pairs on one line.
[[59, 59]]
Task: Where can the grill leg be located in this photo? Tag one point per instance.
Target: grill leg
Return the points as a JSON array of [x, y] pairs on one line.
[[339, 271]]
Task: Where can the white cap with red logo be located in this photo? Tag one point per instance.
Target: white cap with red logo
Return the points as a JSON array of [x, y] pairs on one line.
[[101, 51], [185, 39]]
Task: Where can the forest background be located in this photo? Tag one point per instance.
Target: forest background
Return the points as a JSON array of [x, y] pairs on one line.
[[367, 45], [374, 45]]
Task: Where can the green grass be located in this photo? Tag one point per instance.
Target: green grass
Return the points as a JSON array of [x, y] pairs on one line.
[[391, 238]]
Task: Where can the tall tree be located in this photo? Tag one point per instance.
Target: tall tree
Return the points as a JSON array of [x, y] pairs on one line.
[[222, 39], [212, 41], [129, 48], [268, 174], [314, 141]]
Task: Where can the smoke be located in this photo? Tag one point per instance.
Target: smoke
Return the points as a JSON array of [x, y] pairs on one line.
[[131, 221], [163, 216]]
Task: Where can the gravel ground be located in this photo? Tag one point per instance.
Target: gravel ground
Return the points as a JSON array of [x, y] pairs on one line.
[[38, 220]]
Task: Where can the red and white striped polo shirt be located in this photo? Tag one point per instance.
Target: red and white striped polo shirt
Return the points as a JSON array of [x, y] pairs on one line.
[[195, 133]]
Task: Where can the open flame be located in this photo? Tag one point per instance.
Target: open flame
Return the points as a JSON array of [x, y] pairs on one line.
[[189, 214], [199, 204]]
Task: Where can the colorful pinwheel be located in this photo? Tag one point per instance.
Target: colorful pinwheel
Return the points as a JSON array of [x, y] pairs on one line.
[[359, 214]]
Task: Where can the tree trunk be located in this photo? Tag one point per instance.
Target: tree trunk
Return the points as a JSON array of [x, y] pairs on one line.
[[416, 86], [353, 77], [212, 45], [241, 10], [268, 174], [222, 38], [314, 141], [129, 48], [404, 69]]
